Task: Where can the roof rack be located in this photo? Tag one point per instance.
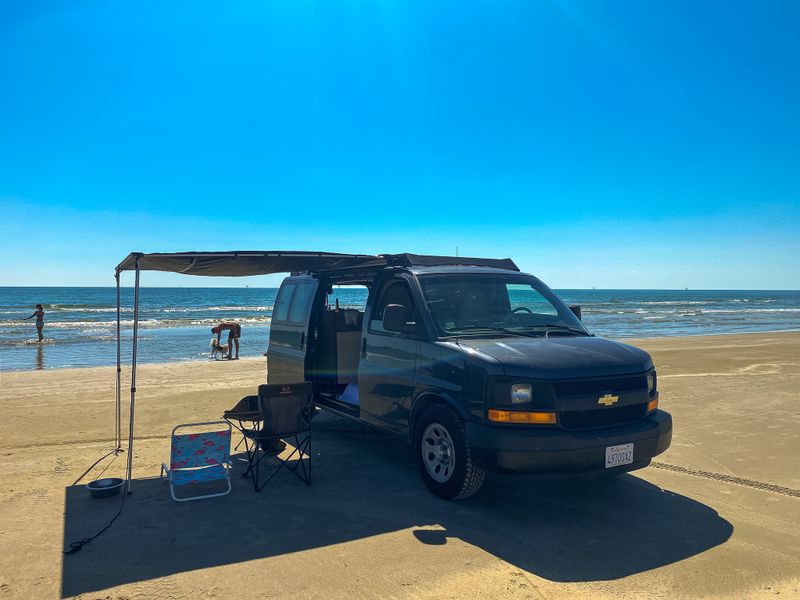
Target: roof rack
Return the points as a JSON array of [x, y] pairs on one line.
[[423, 260]]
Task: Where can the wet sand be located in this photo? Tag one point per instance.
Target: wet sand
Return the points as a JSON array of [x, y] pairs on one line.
[[716, 516]]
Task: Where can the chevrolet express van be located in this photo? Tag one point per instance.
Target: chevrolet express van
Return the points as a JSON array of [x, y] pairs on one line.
[[481, 367]]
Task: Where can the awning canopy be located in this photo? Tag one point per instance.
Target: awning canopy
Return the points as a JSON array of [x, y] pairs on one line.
[[251, 262], [244, 263]]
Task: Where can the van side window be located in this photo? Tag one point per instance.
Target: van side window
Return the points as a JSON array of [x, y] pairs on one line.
[[353, 296], [301, 300], [281, 310], [395, 292]]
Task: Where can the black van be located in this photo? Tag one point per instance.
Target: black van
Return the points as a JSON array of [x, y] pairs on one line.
[[480, 366]]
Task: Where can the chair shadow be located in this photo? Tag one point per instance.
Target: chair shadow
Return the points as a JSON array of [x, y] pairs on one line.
[[566, 529]]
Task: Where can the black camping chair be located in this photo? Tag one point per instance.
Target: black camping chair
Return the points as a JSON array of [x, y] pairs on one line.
[[286, 415], [246, 418]]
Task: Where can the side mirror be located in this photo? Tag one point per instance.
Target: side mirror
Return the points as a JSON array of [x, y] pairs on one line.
[[576, 310], [394, 318]]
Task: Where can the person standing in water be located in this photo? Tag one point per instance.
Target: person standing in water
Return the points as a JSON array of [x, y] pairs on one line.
[[234, 332], [39, 314]]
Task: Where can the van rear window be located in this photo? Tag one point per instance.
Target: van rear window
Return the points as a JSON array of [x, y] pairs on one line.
[[301, 301], [281, 311]]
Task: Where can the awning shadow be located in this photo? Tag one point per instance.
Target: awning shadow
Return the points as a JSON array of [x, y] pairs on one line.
[[366, 484]]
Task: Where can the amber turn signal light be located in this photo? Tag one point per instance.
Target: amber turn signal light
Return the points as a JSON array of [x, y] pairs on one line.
[[516, 416], [652, 405]]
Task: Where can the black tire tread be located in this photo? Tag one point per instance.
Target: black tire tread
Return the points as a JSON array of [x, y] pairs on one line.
[[474, 473]]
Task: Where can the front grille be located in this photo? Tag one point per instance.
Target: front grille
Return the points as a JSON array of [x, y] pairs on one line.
[[597, 418], [600, 386]]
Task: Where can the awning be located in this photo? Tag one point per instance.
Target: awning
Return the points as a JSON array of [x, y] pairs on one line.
[[263, 262], [244, 263]]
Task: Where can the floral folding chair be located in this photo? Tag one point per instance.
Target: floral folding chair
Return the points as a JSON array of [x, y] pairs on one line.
[[199, 458]]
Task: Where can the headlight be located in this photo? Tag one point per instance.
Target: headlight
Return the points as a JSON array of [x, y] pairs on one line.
[[651, 382], [521, 393]]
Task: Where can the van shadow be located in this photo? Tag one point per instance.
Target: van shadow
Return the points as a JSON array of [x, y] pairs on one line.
[[365, 484]]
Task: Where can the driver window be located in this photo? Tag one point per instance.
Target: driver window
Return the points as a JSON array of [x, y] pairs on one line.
[[395, 292]]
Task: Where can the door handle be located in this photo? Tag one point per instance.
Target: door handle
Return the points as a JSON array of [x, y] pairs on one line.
[[363, 347], [302, 339]]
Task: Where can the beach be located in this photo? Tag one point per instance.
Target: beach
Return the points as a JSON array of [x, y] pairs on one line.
[[716, 516]]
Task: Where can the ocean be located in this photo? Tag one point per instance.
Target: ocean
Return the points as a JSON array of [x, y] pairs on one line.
[[175, 323]]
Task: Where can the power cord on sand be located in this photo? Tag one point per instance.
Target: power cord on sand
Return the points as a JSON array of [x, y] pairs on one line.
[[76, 546]]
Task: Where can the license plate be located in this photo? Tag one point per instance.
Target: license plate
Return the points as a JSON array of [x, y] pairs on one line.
[[619, 455]]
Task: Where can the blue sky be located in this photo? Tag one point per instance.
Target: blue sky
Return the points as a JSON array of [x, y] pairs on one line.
[[611, 144]]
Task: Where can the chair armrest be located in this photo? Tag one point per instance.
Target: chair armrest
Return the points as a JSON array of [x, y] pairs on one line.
[[242, 415]]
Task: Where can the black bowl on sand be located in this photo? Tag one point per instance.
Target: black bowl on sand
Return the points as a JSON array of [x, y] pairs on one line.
[[105, 488]]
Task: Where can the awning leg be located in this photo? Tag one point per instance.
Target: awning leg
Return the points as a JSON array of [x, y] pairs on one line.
[[133, 375], [118, 411]]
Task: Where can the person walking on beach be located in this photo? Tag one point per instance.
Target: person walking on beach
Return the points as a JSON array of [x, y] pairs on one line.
[[234, 332], [39, 314]]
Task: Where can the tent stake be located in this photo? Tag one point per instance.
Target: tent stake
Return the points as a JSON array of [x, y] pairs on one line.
[[133, 375]]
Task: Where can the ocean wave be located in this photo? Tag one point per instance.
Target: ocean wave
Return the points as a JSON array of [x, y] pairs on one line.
[[70, 309], [750, 310], [98, 310], [17, 332], [679, 302], [90, 308], [77, 307], [213, 309], [77, 339], [267, 308], [680, 311], [143, 323]]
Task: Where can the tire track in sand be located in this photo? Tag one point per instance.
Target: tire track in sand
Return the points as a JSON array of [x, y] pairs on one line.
[[751, 483]]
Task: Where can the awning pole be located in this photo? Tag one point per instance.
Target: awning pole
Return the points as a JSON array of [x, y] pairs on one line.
[[133, 375], [118, 414]]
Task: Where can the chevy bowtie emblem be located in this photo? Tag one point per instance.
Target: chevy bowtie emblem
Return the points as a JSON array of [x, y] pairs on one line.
[[608, 399]]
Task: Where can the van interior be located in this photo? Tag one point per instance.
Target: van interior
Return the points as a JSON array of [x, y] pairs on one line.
[[337, 351]]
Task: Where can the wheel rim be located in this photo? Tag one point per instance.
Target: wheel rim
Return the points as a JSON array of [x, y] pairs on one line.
[[438, 452]]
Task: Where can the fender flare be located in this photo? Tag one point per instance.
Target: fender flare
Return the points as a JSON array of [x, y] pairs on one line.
[[428, 398]]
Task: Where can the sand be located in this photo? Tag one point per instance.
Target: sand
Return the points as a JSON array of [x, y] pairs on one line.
[[717, 516]]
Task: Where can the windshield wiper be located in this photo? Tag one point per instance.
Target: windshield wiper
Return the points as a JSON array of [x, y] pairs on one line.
[[530, 331], [487, 328], [566, 328]]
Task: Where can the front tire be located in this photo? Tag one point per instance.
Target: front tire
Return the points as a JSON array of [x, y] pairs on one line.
[[444, 456]]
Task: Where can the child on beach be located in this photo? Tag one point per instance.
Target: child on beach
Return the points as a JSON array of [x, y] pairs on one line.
[[39, 314]]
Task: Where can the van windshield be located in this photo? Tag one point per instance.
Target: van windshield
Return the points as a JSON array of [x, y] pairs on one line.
[[468, 303]]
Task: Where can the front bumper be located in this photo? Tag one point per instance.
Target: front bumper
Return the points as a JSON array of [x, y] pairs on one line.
[[520, 449]]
